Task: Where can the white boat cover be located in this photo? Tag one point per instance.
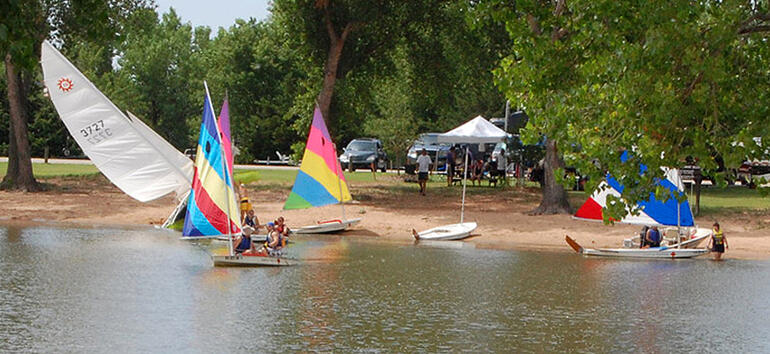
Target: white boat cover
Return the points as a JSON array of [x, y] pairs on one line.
[[476, 131], [125, 150]]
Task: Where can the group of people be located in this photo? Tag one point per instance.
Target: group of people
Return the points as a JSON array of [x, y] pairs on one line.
[[275, 240], [651, 237], [495, 168]]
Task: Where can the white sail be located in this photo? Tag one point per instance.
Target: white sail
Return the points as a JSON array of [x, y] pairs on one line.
[[126, 151]]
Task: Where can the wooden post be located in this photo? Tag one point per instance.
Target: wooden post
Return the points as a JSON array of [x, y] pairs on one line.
[[45, 154]]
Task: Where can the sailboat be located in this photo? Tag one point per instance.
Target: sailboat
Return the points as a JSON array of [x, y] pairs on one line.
[[478, 131], [320, 180], [674, 216], [130, 154], [212, 210]]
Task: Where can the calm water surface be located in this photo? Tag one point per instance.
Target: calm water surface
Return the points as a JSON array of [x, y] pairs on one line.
[[86, 290]]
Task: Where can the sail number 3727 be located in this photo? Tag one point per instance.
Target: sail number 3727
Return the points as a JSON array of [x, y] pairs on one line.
[[96, 132]]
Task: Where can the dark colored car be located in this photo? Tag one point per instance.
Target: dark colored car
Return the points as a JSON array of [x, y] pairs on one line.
[[428, 141], [364, 153]]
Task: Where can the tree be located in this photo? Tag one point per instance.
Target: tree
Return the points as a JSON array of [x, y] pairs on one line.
[[664, 82], [23, 27]]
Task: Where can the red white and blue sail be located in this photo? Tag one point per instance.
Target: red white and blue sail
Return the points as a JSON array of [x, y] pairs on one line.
[[211, 207], [652, 212], [320, 180]]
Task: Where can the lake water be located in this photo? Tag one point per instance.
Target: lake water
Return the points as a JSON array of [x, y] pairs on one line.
[[117, 290]]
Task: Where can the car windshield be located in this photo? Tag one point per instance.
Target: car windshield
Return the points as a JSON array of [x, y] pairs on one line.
[[361, 146], [428, 139]]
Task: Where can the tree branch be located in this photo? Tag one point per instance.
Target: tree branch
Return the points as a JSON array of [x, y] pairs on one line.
[[534, 26], [754, 29], [330, 26], [687, 92]]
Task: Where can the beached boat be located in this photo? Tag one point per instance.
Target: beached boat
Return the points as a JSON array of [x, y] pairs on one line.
[[130, 154], [448, 232], [320, 180], [674, 217], [477, 131], [652, 252], [328, 226]]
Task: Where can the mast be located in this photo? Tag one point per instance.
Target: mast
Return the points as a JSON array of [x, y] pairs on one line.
[[339, 182], [465, 175], [225, 168]]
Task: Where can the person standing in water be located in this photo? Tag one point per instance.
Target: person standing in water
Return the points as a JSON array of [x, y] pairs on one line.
[[718, 242]]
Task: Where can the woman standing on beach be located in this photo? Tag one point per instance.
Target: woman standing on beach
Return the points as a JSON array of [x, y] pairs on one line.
[[719, 242]]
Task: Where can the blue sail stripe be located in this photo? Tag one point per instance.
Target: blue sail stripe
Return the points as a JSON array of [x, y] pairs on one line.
[[196, 220], [312, 191]]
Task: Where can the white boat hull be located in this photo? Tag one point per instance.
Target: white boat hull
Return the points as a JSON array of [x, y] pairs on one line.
[[652, 252], [448, 232], [252, 261], [327, 227]]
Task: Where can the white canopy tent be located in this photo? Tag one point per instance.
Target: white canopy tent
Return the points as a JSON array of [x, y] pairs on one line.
[[475, 131]]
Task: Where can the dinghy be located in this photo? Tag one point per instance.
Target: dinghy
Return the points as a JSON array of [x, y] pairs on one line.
[[676, 217], [478, 131], [320, 180], [329, 226], [448, 232], [212, 210], [652, 252], [261, 260]]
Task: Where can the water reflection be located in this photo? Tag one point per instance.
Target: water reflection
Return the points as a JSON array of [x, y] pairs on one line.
[[144, 290]]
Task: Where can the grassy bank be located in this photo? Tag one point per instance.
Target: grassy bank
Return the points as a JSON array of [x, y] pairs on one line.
[[43, 171]]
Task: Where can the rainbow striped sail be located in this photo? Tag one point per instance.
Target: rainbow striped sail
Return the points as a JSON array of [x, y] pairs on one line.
[[211, 198], [320, 180]]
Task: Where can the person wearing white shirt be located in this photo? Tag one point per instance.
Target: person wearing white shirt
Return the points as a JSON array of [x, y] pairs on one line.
[[423, 167]]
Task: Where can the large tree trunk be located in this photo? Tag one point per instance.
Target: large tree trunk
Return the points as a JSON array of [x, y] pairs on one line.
[[330, 76], [554, 196], [19, 175]]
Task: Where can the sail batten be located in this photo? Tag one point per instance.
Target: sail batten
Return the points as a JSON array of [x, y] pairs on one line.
[[133, 157], [320, 180]]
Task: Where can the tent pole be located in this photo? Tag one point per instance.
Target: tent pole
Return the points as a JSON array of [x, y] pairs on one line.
[[465, 177]]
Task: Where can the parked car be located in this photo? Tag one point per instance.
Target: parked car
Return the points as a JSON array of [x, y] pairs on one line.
[[364, 153], [428, 141]]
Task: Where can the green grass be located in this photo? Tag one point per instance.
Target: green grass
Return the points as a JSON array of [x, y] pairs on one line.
[[732, 200], [44, 171]]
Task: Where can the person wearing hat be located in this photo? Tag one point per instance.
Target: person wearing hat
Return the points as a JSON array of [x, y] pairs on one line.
[[243, 243]]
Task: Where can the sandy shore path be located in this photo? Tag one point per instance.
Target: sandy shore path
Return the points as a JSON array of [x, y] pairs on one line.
[[502, 215]]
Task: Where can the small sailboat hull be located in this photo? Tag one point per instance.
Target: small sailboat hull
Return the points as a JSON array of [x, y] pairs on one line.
[[252, 261], [328, 227], [652, 252], [449, 232]]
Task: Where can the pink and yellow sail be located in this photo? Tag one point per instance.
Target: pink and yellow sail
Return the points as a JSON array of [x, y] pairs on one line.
[[320, 180], [211, 207]]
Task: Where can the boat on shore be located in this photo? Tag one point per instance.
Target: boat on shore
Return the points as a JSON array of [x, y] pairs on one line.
[[663, 252], [320, 180], [680, 237], [448, 232]]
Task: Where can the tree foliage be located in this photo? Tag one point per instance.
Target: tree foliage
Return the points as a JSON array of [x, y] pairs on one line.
[[665, 81]]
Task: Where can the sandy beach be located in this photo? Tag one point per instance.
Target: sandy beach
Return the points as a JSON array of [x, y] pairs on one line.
[[502, 214]]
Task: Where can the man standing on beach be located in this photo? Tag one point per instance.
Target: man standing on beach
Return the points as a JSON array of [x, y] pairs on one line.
[[423, 167]]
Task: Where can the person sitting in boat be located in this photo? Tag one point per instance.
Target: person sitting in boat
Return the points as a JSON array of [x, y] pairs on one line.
[[718, 242], [282, 228], [243, 243], [652, 238], [275, 240], [251, 219]]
